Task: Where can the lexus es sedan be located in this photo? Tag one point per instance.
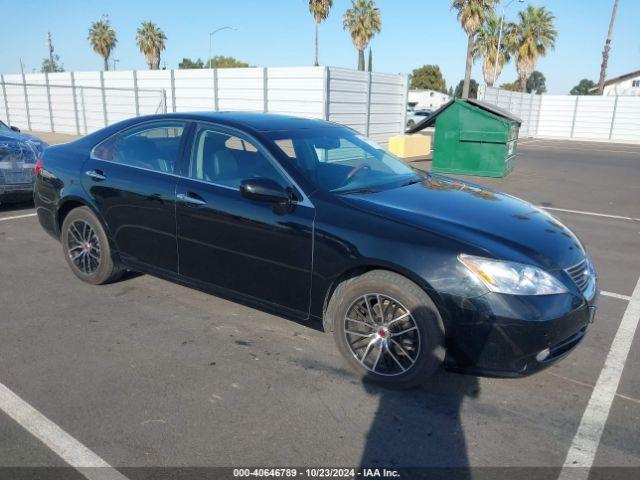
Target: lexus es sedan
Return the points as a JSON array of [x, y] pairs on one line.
[[409, 271], [18, 154]]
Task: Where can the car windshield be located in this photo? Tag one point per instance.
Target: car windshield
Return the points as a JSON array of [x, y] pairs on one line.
[[340, 160], [3, 127]]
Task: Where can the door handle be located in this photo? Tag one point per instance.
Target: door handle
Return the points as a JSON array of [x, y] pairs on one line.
[[97, 175], [191, 200]]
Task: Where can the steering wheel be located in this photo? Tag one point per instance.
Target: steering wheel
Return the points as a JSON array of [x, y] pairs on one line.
[[354, 171]]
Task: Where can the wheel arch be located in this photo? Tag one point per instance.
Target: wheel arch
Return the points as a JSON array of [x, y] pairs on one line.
[[361, 269], [69, 204]]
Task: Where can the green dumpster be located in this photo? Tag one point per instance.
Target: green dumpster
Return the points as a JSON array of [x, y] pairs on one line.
[[473, 138]]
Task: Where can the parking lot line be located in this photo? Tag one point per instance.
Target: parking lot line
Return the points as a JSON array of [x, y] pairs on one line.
[[16, 217], [585, 443], [60, 442], [593, 214], [619, 296]]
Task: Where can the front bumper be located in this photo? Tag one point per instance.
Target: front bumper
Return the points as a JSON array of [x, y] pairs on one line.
[[513, 336]]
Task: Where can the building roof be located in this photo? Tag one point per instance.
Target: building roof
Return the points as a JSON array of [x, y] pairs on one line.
[[622, 78]]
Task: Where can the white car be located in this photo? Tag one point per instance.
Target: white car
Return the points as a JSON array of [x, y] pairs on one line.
[[416, 116]]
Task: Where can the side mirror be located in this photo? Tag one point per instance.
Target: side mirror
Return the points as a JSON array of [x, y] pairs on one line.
[[15, 129], [265, 189]]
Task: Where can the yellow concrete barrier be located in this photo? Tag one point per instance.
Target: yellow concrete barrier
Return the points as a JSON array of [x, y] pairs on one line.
[[410, 146]]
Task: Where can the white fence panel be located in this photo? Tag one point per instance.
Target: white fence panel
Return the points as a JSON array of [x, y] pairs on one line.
[[348, 98], [296, 91], [38, 101], [90, 101], [626, 124], [18, 115], [151, 82], [241, 89], [556, 116], [593, 117], [62, 103], [119, 95], [194, 90]]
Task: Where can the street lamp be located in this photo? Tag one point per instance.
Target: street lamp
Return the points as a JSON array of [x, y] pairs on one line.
[[495, 70], [211, 34]]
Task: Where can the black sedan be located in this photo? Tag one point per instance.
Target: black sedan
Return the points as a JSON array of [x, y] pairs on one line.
[[308, 219], [18, 155]]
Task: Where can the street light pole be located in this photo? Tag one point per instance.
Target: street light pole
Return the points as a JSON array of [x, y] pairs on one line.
[[495, 69], [211, 34]]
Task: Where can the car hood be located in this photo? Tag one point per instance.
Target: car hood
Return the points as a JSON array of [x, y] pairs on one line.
[[497, 224]]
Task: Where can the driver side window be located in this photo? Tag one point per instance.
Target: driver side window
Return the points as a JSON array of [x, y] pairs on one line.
[[226, 160], [153, 147]]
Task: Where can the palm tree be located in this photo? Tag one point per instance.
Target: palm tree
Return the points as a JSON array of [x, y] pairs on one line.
[[471, 15], [320, 11], [150, 40], [486, 47], [362, 21], [534, 36], [102, 39], [607, 47]]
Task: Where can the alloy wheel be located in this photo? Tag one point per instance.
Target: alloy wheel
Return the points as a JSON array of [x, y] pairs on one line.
[[84, 247], [382, 334]]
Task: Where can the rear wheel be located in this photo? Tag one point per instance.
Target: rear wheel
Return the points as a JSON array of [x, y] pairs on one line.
[[387, 328], [86, 248]]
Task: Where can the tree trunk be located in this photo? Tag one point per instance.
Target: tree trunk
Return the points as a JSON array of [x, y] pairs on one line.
[[467, 71], [106, 64], [361, 60], [605, 52], [316, 47], [523, 84]]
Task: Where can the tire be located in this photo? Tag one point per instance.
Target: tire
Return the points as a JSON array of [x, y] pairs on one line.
[[86, 248], [411, 124], [407, 308]]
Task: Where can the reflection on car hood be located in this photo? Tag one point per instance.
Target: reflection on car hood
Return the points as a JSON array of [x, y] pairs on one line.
[[502, 225]]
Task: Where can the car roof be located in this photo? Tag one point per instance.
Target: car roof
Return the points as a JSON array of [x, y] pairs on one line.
[[261, 122]]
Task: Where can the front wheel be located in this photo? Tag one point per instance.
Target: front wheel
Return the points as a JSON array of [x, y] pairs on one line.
[[387, 328], [86, 248]]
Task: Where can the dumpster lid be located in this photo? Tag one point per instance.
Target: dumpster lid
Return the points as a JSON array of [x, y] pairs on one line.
[[489, 107]]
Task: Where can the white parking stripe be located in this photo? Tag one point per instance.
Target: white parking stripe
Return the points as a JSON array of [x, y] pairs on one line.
[[64, 445], [616, 295], [593, 214], [15, 217], [585, 443]]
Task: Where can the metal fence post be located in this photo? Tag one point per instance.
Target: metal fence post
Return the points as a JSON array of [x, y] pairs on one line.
[[26, 100], [75, 102], [216, 105], [136, 98], [6, 101], [530, 112], [539, 113], [613, 117], [164, 100], [265, 90], [84, 111], [326, 83], [368, 119], [173, 93], [575, 112], [405, 103], [104, 98], [48, 89]]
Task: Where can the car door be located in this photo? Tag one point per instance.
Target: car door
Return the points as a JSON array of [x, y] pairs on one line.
[[256, 248], [130, 177]]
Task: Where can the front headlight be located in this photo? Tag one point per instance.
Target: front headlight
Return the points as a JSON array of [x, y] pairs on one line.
[[512, 278]]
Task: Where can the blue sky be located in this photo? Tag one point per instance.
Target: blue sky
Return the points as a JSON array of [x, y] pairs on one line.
[[280, 33]]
